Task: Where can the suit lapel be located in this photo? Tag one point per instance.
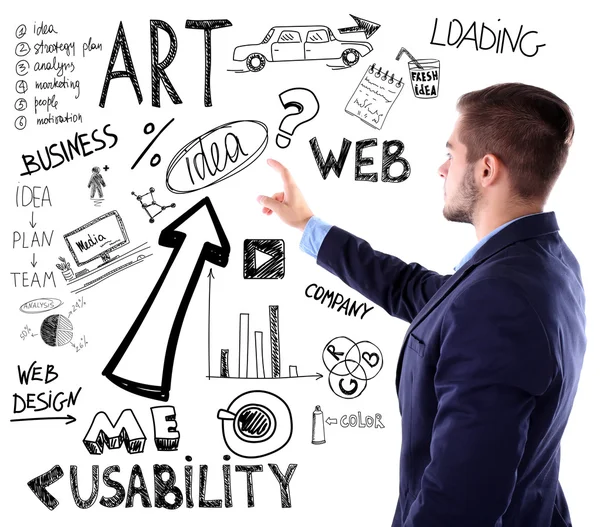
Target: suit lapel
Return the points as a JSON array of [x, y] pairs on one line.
[[528, 227]]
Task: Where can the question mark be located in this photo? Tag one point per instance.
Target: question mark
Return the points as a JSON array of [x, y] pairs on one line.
[[307, 104]]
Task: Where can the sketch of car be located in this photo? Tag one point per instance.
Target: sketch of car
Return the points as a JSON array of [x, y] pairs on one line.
[[287, 43]]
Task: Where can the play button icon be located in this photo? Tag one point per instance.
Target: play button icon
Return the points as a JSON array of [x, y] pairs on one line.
[[264, 259]]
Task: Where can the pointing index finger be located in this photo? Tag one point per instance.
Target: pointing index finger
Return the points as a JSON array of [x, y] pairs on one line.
[[288, 181]]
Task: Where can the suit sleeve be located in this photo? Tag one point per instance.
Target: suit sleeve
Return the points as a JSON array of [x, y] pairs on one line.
[[494, 360], [400, 288]]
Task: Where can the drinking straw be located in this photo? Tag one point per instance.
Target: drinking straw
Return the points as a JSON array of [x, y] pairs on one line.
[[403, 51]]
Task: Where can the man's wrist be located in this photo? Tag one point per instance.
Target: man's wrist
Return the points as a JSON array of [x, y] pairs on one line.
[[314, 234], [304, 223]]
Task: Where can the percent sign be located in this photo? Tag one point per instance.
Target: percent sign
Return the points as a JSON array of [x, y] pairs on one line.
[[148, 129]]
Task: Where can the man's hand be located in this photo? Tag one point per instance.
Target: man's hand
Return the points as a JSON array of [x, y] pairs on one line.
[[290, 204]]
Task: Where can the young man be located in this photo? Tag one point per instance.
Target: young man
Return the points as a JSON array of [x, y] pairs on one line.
[[490, 364]]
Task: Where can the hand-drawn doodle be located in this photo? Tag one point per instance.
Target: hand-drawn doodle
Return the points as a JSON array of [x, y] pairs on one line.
[[126, 430], [425, 81], [250, 364], [97, 238], [56, 330], [256, 424], [391, 154], [318, 427], [42, 401], [134, 489], [249, 470], [369, 28], [172, 238], [336, 301], [82, 344], [27, 332], [306, 104], [234, 138], [128, 72], [33, 196], [350, 365], [275, 342], [146, 206], [284, 482], [157, 69], [424, 75], [107, 270], [149, 129], [326, 166], [67, 418], [57, 153], [166, 436], [76, 305], [499, 37], [357, 420], [224, 367], [96, 183], [166, 493], [40, 305], [298, 43], [207, 26], [264, 259], [65, 268], [227, 482], [38, 486], [374, 96], [79, 501], [20, 239]]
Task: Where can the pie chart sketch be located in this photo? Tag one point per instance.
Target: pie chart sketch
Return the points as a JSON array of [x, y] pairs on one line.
[[56, 330]]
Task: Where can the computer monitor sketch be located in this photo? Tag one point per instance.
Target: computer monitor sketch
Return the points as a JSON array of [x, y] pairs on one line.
[[97, 238]]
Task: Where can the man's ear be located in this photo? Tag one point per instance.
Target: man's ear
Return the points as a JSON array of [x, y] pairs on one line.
[[490, 169]]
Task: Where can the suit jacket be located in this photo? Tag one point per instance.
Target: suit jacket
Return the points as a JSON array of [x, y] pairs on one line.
[[487, 375]]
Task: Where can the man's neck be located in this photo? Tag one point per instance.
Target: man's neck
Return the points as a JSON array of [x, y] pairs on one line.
[[489, 222]]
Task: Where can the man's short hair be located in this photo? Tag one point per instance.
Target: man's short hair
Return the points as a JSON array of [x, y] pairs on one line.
[[528, 128]]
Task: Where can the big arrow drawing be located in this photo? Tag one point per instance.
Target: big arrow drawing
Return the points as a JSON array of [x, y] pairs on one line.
[[158, 310]]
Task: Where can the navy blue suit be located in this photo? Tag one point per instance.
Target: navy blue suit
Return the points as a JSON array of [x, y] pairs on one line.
[[487, 375]]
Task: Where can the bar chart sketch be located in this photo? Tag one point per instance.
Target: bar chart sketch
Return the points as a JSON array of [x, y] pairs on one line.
[[257, 356]]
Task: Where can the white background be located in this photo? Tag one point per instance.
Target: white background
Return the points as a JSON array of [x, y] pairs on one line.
[[353, 478]]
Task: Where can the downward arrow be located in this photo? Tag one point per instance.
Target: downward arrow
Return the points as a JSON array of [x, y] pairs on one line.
[[33, 262], [160, 319], [31, 222], [38, 486]]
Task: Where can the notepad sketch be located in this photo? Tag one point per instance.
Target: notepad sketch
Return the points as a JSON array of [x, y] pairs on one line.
[[374, 96]]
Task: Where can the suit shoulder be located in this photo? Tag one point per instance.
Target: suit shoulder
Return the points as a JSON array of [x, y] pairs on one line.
[[494, 315], [495, 302]]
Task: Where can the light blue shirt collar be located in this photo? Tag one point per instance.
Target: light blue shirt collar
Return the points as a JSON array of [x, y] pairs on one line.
[[480, 243]]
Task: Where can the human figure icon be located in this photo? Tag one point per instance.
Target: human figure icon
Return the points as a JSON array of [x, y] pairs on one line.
[[96, 183]]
